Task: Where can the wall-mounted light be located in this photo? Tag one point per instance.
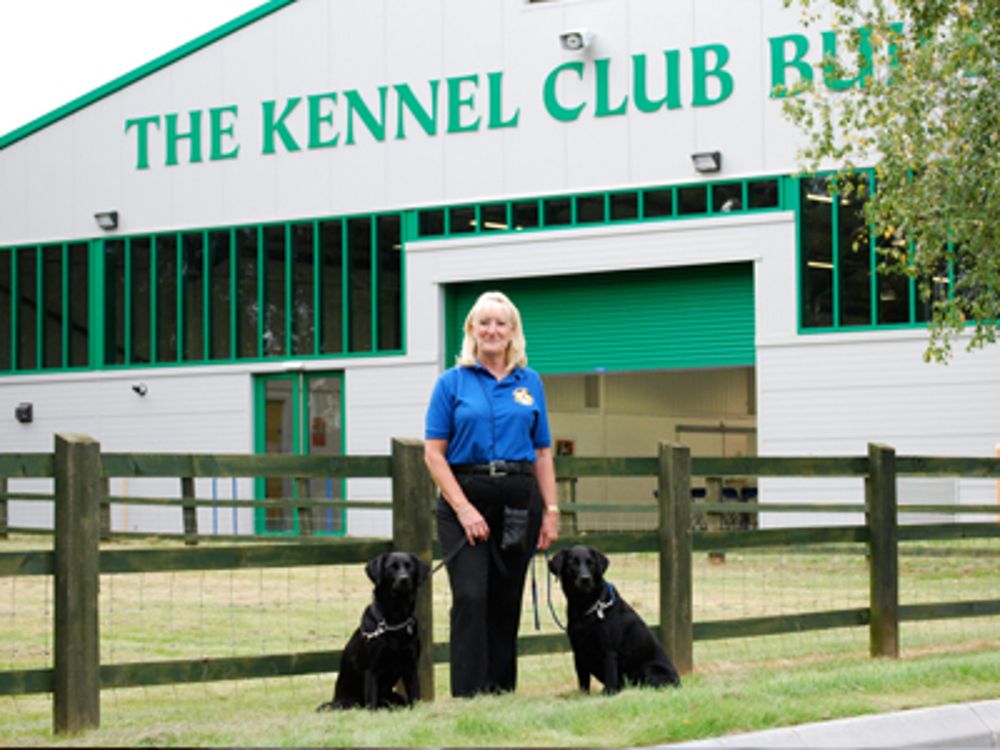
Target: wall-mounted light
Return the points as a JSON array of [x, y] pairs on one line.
[[707, 161], [107, 220], [576, 40], [23, 413], [140, 388]]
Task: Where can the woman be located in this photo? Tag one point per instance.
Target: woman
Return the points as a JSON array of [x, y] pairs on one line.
[[488, 449]]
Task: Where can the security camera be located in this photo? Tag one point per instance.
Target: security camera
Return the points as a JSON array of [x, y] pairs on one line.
[[140, 388], [576, 40]]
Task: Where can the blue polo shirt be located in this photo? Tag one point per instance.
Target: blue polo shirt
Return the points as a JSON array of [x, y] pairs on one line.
[[485, 419]]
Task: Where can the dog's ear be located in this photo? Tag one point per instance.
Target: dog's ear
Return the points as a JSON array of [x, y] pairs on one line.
[[423, 569], [556, 563], [374, 569], [600, 558]]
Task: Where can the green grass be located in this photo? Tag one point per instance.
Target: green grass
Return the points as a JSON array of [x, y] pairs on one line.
[[712, 703], [739, 685]]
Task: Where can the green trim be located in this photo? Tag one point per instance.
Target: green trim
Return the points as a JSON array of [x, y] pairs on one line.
[[645, 209], [139, 73], [39, 307], [206, 297], [300, 443], [64, 308]]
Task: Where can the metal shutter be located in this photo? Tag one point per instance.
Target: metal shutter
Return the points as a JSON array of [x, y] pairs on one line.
[[671, 318]]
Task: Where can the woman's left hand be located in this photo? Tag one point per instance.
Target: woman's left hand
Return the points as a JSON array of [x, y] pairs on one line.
[[550, 530]]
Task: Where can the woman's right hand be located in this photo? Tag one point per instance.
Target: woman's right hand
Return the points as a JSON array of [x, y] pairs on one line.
[[473, 523], [471, 520]]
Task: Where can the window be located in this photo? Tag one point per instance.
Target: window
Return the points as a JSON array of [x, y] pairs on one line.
[[841, 286], [816, 216], [44, 307], [653, 204], [302, 289]]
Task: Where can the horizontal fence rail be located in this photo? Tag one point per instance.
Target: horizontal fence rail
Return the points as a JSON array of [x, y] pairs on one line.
[[674, 540]]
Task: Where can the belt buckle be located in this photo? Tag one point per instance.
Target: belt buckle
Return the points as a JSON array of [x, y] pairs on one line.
[[498, 468]]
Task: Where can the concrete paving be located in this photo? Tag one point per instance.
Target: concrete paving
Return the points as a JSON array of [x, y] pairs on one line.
[[960, 725]]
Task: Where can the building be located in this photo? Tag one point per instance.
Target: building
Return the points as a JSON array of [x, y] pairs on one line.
[[268, 239]]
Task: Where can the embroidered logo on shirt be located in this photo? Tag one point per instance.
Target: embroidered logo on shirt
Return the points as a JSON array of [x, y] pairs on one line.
[[522, 396]]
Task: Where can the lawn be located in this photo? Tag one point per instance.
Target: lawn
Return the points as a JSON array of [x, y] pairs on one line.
[[738, 685]]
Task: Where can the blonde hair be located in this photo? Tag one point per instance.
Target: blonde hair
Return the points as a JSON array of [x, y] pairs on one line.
[[516, 354]]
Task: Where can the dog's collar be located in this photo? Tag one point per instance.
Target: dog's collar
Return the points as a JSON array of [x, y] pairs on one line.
[[382, 627], [600, 605]]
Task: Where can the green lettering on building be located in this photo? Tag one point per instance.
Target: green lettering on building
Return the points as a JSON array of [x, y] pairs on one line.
[[553, 106], [702, 73], [218, 132], [331, 118], [496, 104], [141, 125], [780, 63], [457, 102], [278, 127], [640, 93], [317, 119], [830, 54], [406, 98], [356, 105], [604, 108], [193, 136]]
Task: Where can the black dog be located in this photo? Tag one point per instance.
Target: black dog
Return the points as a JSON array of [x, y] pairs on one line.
[[609, 639], [385, 648]]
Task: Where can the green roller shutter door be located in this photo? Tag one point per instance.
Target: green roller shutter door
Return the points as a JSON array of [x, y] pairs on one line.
[[671, 318]]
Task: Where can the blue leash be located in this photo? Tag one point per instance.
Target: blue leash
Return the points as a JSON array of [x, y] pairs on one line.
[[534, 593]]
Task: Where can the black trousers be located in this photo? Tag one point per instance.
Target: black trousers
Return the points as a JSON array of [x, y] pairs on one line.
[[487, 583]]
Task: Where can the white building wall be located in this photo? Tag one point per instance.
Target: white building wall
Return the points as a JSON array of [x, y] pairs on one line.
[[192, 410], [832, 395], [56, 179], [817, 394]]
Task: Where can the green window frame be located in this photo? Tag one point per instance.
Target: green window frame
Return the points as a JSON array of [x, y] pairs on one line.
[[327, 287], [45, 307], [656, 203], [841, 287]]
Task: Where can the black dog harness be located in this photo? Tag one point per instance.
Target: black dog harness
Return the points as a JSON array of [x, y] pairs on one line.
[[382, 627]]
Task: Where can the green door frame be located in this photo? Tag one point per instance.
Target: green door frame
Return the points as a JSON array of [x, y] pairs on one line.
[[300, 407]]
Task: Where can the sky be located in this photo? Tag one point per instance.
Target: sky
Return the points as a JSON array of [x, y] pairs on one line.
[[52, 51]]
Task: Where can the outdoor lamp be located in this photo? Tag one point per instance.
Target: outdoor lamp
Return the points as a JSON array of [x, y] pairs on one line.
[[707, 161], [107, 220]]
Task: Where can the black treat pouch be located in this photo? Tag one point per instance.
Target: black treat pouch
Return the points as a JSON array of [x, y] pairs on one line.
[[515, 528]]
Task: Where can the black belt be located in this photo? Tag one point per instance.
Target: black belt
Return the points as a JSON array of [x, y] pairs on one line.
[[495, 468]]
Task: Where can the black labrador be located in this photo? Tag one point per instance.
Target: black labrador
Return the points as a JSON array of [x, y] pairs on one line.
[[385, 648], [609, 639]]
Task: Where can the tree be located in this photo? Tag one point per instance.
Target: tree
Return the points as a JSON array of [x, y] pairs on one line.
[[914, 92]]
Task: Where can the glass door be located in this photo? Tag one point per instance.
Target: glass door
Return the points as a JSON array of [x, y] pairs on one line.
[[299, 414]]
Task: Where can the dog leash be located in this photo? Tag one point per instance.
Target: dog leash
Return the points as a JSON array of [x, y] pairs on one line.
[[534, 582], [450, 556], [552, 610]]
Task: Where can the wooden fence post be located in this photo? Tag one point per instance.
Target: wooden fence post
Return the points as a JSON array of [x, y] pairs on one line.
[[76, 675], [880, 492], [305, 514], [676, 627], [190, 512], [413, 495], [106, 511], [3, 507]]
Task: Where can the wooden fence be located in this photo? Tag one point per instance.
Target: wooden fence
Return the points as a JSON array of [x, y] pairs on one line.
[[81, 473]]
